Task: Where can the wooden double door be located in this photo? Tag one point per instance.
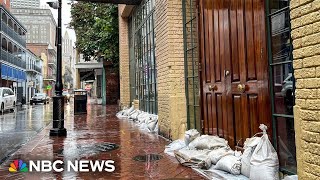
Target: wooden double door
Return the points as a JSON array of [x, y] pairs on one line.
[[234, 68]]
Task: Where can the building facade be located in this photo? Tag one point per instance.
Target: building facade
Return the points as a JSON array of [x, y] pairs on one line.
[[41, 39], [67, 61], [34, 81], [25, 3], [13, 52], [224, 67]]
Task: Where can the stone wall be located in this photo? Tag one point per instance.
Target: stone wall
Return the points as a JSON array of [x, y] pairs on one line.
[[170, 68], [305, 22]]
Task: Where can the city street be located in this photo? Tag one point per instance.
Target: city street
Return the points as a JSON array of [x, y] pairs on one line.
[[16, 128], [97, 135]]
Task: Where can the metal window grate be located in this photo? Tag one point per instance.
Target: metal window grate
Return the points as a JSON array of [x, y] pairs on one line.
[[191, 63], [282, 83], [143, 71]]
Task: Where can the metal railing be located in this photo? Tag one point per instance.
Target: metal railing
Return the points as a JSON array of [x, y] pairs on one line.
[[33, 67], [14, 35], [7, 57], [49, 77]]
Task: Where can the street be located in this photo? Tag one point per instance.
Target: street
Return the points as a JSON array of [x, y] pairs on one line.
[[96, 136], [16, 128]]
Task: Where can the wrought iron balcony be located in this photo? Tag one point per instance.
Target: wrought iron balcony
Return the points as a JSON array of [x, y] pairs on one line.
[[33, 68], [9, 58], [52, 63], [11, 33], [49, 78]]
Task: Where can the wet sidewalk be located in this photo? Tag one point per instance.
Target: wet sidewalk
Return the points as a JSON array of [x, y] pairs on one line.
[[92, 137]]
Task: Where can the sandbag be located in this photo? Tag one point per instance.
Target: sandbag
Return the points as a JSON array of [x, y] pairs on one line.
[[249, 146], [127, 112], [193, 158], [208, 142], [217, 154], [264, 163], [152, 122], [229, 163], [175, 145], [215, 174], [293, 177], [190, 135]]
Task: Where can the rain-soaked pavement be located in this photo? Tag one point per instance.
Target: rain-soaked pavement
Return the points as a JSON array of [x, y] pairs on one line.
[[92, 137], [16, 128]]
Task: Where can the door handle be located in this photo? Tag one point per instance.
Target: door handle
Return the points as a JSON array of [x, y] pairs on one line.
[[212, 88], [226, 73], [242, 88]]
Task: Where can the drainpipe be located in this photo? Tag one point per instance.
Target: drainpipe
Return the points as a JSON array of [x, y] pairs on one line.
[[104, 87]]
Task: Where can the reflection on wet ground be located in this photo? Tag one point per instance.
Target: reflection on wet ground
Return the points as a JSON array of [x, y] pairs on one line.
[[99, 135], [18, 127]]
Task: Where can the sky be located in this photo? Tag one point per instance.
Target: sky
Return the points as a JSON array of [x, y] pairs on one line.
[[66, 16]]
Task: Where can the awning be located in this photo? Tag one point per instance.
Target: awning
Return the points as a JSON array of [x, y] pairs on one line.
[[13, 74]]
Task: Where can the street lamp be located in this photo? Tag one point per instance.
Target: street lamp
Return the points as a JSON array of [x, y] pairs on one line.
[[58, 100]]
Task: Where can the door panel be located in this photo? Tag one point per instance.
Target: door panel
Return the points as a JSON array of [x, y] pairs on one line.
[[235, 92]]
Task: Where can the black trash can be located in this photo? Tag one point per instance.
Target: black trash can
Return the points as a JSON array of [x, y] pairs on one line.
[[80, 102]]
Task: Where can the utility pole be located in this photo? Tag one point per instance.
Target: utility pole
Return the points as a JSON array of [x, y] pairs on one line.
[[58, 100]]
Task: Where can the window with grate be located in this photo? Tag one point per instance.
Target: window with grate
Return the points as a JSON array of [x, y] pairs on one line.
[[191, 63], [143, 71], [282, 82]]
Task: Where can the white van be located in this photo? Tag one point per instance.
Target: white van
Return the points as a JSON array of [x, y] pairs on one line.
[[7, 99]]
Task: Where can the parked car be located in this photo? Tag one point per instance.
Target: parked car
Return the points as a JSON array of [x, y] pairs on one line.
[[40, 98], [66, 96], [7, 99], [287, 86]]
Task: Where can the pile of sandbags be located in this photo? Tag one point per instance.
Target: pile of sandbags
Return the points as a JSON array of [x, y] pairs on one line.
[[145, 121], [259, 160]]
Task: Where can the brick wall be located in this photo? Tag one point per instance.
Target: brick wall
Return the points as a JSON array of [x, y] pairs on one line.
[[170, 68], [305, 22], [124, 58]]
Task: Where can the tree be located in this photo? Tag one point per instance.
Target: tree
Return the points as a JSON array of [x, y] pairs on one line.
[[96, 27]]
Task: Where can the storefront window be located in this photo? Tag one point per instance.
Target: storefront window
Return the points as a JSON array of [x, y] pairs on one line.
[[191, 63], [283, 83], [142, 57]]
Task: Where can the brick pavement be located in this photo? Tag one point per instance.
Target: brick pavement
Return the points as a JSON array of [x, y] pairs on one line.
[[98, 126]]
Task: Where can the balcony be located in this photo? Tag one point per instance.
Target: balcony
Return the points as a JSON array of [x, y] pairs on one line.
[[33, 68], [9, 58], [14, 35], [52, 63], [49, 78]]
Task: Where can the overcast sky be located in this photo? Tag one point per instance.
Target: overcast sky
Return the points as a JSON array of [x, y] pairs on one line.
[[66, 16]]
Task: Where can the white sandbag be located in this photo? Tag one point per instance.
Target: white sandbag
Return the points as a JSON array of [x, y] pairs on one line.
[[193, 158], [143, 127], [156, 129], [215, 174], [142, 117], [217, 154], [264, 163], [249, 146], [293, 177], [175, 145], [151, 121], [190, 135], [208, 142], [229, 163], [134, 116], [152, 125], [127, 112]]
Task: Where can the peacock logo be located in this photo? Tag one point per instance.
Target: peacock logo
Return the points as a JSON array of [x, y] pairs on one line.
[[18, 166]]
